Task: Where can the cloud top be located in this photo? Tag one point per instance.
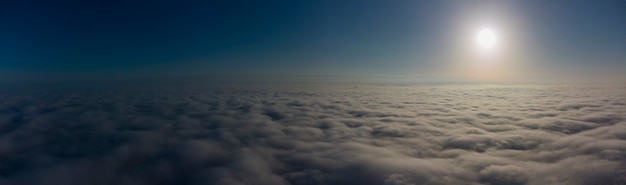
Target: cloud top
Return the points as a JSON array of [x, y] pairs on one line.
[[344, 134]]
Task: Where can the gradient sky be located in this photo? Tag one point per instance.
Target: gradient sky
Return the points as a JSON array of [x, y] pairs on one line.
[[539, 39]]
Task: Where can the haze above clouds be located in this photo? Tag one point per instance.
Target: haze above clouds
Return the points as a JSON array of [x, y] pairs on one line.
[[330, 134]]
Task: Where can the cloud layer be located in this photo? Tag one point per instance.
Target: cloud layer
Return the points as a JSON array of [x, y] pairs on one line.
[[392, 135]]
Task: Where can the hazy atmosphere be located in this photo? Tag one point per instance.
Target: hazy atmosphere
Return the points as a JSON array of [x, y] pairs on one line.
[[534, 40], [313, 92]]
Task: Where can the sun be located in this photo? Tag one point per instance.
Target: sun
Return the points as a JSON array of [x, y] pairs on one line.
[[486, 38]]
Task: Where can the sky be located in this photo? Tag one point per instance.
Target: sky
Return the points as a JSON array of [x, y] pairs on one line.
[[579, 40]]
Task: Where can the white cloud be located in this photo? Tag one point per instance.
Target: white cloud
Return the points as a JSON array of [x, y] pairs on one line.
[[316, 135]]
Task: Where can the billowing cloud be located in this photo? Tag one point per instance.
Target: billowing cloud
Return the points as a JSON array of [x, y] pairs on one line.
[[358, 134]]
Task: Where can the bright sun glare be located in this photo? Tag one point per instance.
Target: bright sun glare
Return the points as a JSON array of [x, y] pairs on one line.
[[486, 38]]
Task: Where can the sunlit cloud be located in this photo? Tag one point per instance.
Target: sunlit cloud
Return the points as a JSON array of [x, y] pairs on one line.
[[339, 134]]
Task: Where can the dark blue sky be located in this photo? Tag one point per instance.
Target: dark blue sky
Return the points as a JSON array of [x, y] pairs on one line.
[[117, 38]]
